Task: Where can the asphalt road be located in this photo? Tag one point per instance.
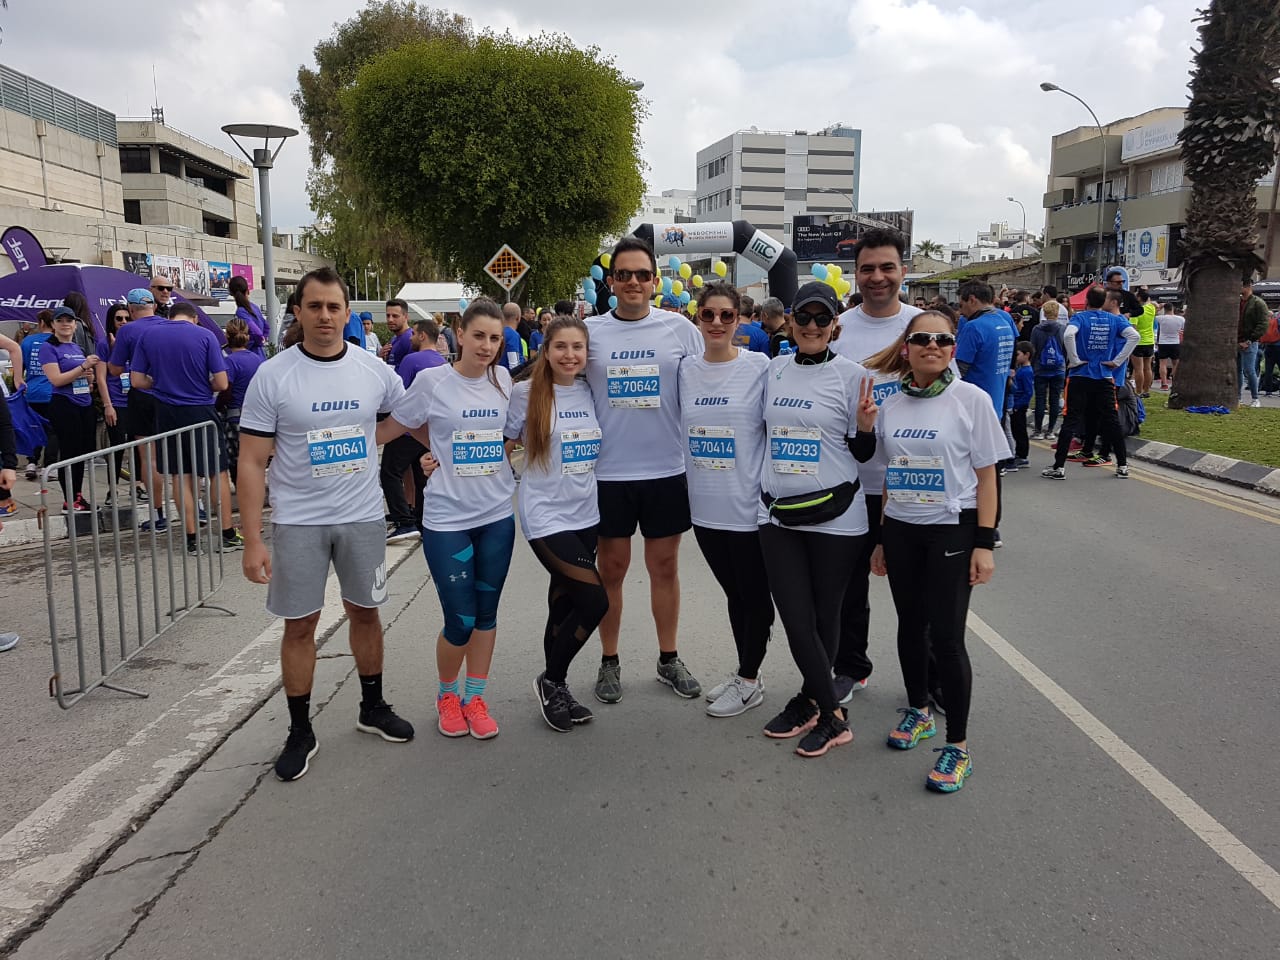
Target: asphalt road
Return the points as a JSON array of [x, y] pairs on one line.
[[1124, 661]]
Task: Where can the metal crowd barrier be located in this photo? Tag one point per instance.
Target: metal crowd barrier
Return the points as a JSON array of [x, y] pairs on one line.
[[122, 587]]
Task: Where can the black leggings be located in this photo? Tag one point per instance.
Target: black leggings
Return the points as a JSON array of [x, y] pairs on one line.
[[738, 566], [76, 429], [855, 614], [576, 599], [928, 568], [808, 573]]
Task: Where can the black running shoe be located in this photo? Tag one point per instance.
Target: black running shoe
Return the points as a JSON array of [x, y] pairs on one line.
[[380, 719], [577, 712], [295, 758], [797, 717], [553, 700], [831, 730]]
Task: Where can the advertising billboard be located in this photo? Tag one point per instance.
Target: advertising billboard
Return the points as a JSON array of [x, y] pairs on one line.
[[819, 238]]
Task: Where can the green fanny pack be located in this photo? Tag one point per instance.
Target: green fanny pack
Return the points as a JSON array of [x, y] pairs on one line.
[[811, 509]]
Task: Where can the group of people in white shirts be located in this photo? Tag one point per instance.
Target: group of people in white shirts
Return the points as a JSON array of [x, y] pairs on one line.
[[798, 475]]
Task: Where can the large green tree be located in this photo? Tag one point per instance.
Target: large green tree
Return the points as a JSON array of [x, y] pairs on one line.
[[351, 228], [1228, 142], [534, 143]]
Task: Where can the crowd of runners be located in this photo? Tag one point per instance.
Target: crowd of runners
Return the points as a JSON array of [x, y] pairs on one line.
[[801, 475]]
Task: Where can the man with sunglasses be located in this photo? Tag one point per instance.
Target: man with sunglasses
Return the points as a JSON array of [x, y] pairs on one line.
[[162, 291], [865, 330], [140, 414], [632, 364]]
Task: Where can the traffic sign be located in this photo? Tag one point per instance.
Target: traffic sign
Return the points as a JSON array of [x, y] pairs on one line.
[[507, 268]]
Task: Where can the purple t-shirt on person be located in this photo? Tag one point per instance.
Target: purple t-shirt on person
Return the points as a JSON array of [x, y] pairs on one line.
[[127, 338], [401, 347], [117, 387], [67, 356], [180, 357], [257, 325], [414, 363], [241, 366]]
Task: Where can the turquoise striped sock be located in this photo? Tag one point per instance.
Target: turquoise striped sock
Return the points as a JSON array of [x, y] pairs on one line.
[[448, 686], [474, 687]]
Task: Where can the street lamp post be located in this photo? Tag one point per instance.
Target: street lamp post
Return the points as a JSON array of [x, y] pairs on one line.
[[262, 159], [1053, 87], [848, 196], [1024, 216]]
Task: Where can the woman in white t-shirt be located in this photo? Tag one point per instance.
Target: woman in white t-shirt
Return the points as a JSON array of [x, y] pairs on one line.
[[939, 442], [722, 414], [813, 518], [553, 416], [458, 411]]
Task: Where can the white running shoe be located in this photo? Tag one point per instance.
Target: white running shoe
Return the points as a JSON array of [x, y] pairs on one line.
[[737, 698]]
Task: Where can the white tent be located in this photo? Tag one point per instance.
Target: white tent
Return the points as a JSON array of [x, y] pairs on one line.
[[424, 298]]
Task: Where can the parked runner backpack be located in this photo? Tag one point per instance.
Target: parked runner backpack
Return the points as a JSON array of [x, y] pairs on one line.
[[1051, 358]]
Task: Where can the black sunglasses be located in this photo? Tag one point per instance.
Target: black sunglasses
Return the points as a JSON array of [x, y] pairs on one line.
[[804, 319], [644, 276], [159, 287], [726, 317], [923, 339]]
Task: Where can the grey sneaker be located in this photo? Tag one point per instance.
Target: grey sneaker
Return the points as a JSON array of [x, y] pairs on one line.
[[8, 641], [677, 676], [847, 686], [736, 698], [609, 683], [716, 692]]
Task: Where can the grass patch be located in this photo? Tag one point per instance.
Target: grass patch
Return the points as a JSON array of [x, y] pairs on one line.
[[1246, 434]]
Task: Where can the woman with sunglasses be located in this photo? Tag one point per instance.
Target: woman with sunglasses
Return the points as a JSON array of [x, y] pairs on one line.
[[940, 441], [813, 521], [722, 414], [71, 410], [553, 416], [116, 404]]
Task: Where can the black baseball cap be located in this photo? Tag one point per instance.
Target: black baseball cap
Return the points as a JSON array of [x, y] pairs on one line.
[[816, 292]]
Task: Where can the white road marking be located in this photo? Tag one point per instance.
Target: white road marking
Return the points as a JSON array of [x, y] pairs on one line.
[[42, 855], [1219, 839]]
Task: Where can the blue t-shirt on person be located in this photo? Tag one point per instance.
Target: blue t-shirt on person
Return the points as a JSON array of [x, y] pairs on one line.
[[513, 348], [180, 357], [415, 363], [535, 341], [68, 356], [353, 332], [986, 343], [752, 337], [1024, 387], [1099, 338], [39, 389]]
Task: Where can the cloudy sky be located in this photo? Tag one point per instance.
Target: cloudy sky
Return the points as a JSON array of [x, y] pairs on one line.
[[946, 93]]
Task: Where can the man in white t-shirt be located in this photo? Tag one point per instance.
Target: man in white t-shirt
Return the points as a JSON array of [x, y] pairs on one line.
[[1169, 344], [314, 409], [864, 331], [633, 363]]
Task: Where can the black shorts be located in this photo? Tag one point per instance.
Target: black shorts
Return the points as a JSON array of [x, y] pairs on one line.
[[199, 452], [1170, 351], [140, 415], [1149, 350], [659, 507]]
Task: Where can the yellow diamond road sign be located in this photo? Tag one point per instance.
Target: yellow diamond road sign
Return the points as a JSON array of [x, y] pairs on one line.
[[507, 268]]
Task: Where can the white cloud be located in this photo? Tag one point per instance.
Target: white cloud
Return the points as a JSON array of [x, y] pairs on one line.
[[946, 93]]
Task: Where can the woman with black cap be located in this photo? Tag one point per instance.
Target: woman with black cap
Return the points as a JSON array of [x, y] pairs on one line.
[[819, 415]]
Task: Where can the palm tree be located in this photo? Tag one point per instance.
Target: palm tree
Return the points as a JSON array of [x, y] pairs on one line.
[[1228, 142], [929, 248]]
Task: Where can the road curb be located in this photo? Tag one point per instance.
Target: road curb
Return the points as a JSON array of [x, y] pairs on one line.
[[1241, 473]]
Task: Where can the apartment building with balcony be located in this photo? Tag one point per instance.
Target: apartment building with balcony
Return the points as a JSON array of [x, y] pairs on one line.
[[1146, 184]]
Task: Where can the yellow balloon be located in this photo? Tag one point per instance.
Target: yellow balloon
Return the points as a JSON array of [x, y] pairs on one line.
[[836, 271], [657, 301], [605, 260], [845, 287], [692, 308], [686, 271], [677, 288], [720, 268], [697, 281]]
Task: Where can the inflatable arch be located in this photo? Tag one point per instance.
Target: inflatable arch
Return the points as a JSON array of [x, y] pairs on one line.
[[685, 239]]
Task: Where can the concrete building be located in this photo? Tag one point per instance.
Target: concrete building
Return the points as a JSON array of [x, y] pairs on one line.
[[1146, 183], [121, 193], [668, 206], [770, 177]]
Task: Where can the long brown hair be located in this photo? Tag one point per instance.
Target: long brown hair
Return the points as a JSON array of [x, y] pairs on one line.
[[482, 307], [237, 332], [542, 394], [892, 359]]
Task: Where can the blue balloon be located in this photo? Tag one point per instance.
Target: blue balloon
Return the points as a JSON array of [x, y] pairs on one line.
[[588, 285], [685, 298], [613, 302], [666, 284], [673, 262], [597, 272], [462, 305], [590, 297], [819, 271]]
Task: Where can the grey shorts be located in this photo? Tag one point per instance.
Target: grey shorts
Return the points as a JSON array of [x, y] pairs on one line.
[[300, 560]]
